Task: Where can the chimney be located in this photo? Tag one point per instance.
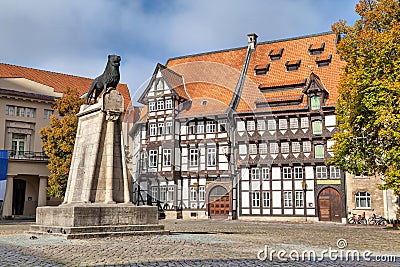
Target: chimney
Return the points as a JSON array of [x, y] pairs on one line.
[[252, 40]]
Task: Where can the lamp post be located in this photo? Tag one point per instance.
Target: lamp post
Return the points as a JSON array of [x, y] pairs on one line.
[[304, 187]]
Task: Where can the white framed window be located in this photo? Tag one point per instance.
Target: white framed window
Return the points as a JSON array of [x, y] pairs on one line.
[[282, 124], [153, 129], [255, 199], [20, 112], [170, 193], [273, 148], [210, 126], [296, 147], [315, 102], [265, 173], [143, 163], [299, 199], [298, 173], [306, 146], [193, 193], [287, 199], [163, 193], [152, 106], [287, 173], [294, 123], [153, 158], [160, 128], [192, 128], [168, 127], [263, 148], [160, 105], [285, 148], [153, 193], [363, 200], [202, 193], [167, 157], [211, 156], [334, 172], [31, 112], [253, 149], [255, 174], [168, 104], [319, 152], [304, 122], [266, 200], [251, 126], [317, 127], [160, 85], [321, 172], [222, 126], [260, 125], [194, 156], [271, 125], [48, 113], [200, 127], [10, 110]]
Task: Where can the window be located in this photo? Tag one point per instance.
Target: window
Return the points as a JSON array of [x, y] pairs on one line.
[[252, 149], [299, 199], [167, 157], [20, 112], [296, 147], [153, 129], [271, 125], [193, 193], [319, 151], [160, 105], [261, 125], [363, 200], [163, 193], [321, 172], [251, 126], [48, 113], [153, 193], [18, 144], [222, 126], [160, 85], [193, 156], [31, 112], [285, 148], [266, 199], [192, 128], [170, 193], [210, 126], [200, 128], [144, 160], [255, 199], [315, 103], [294, 123], [273, 148], [263, 148], [287, 199], [287, 173], [153, 158], [334, 172], [160, 128], [202, 193], [298, 173], [10, 110], [265, 173], [282, 124], [306, 146], [317, 127], [211, 156], [152, 106], [304, 123], [255, 174], [168, 127], [168, 104]]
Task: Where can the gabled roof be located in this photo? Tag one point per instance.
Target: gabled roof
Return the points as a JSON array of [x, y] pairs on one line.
[[58, 81]]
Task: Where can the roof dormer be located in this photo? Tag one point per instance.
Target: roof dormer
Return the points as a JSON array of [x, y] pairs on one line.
[[275, 54], [292, 65], [316, 49], [261, 69]]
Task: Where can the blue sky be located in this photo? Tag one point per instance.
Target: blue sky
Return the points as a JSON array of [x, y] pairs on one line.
[[75, 37]]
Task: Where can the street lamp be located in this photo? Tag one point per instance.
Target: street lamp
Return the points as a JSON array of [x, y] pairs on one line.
[[304, 187]]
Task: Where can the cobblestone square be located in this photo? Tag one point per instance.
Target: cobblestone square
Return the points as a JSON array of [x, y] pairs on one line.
[[202, 243]]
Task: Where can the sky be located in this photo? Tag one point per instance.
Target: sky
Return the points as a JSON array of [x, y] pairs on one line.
[[75, 37]]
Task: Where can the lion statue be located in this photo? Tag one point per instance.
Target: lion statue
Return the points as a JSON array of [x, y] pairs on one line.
[[109, 78]]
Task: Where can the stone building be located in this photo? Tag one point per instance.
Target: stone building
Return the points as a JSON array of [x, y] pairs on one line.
[[26, 99]]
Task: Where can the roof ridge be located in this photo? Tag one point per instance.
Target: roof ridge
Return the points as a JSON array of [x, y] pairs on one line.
[[245, 47]]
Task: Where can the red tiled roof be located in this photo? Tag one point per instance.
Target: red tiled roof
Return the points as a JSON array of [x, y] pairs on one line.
[[58, 81]]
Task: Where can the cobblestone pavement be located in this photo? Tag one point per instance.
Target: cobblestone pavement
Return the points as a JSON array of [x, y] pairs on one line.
[[205, 243]]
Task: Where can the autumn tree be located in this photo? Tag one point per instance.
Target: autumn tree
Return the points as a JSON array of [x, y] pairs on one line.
[[368, 109], [58, 140]]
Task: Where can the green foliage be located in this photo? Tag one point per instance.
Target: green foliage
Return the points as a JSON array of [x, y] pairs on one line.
[[58, 139], [368, 140]]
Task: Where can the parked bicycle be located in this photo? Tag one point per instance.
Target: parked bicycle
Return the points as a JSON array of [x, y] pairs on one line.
[[357, 219], [375, 220]]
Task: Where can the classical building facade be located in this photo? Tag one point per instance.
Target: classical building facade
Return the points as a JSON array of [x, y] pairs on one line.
[[26, 103], [243, 133]]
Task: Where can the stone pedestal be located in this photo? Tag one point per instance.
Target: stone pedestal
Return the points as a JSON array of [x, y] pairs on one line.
[[97, 200]]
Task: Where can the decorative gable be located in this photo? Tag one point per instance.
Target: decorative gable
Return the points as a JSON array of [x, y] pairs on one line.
[[316, 92]]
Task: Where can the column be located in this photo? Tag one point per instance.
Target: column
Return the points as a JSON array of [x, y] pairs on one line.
[[109, 147], [42, 196], [8, 199]]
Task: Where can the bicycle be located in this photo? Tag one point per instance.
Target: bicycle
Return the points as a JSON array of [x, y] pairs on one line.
[[374, 220], [357, 219]]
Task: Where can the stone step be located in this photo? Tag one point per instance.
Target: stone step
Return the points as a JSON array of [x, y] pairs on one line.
[[95, 229], [101, 234]]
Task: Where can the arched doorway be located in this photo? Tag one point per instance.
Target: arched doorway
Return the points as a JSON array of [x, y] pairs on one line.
[[218, 202], [330, 205]]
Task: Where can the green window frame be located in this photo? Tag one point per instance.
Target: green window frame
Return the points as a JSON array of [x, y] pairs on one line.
[[315, 102], [317, 127], [319, 152]]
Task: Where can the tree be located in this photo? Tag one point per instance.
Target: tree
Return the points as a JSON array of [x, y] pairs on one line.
[[58, 139], [368, 109]]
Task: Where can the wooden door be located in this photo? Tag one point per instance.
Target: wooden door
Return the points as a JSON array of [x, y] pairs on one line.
[[324, 209], [330, 205], [219, 206]]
